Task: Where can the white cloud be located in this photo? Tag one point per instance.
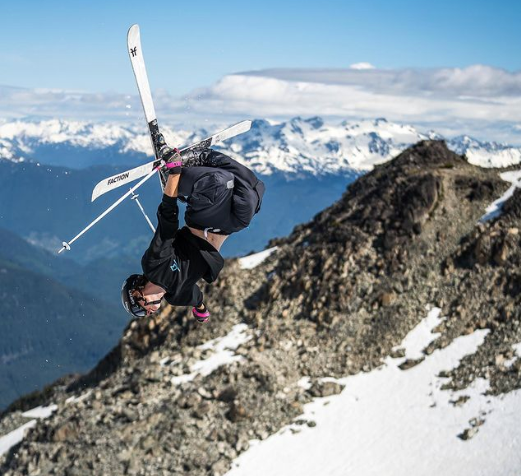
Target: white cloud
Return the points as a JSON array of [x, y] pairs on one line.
[[476, 80], [270, 96], [81, 105], [477, 100], [362, 66]]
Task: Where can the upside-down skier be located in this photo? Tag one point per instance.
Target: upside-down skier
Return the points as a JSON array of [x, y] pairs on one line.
[[222, 196]]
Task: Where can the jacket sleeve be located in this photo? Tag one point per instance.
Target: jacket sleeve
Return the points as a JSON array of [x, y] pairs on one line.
[[167, 227]]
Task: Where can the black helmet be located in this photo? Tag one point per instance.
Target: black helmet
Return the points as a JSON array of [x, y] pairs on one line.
[[130, 303]]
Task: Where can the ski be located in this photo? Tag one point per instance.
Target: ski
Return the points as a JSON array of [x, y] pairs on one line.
[[137, 60], [123, 178]]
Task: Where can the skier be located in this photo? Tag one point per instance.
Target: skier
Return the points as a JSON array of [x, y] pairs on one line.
[[222, 196]]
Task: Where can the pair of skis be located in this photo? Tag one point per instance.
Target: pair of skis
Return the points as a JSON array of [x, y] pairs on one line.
[[146, 171]]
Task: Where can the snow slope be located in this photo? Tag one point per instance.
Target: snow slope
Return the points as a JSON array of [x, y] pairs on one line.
[[395, 422], [221, 352], [14, 437]]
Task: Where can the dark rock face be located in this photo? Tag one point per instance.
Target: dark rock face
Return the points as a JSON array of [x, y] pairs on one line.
[[370, 233], [339, 294]]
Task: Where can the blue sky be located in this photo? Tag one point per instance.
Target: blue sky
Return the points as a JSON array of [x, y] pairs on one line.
[[451, 66], [81, 45]]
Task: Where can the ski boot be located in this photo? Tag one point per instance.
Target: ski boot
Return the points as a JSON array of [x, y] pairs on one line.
[[202, 315], [164, 151], [197, 157]]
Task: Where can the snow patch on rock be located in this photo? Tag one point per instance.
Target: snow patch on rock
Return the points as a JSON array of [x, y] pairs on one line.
[[222, 353], [16, 436], [252, 261]]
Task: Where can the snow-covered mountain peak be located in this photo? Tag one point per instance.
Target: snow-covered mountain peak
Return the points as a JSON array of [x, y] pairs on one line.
[[486, 154], [21, 139], [296, 146], [314, 146], [311, 145]]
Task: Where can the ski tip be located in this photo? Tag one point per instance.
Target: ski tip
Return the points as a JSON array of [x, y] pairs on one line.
[[134, 29], [65, 246], [96, 192], [243, 126]]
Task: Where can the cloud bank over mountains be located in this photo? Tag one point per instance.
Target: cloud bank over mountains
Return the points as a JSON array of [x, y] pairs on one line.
[[477, 100], [21, 102], [476, 80]]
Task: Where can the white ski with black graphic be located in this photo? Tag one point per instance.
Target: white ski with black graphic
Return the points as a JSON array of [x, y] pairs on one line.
[[138, 66], [123, 178]]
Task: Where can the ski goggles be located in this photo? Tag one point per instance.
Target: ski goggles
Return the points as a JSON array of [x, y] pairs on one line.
[[137, 305], [147, 303]]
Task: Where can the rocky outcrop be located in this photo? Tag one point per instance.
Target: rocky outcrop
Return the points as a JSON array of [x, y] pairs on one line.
[[337, 296]]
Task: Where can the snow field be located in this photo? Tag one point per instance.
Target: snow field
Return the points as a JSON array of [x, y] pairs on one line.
[[40, 412], [14, 437], [390, 422]]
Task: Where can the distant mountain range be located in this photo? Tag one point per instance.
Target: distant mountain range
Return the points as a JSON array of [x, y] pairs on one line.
[[56, 317], [297, 146]]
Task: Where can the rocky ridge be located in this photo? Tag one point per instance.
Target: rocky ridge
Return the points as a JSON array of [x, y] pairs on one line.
[[335, 299]]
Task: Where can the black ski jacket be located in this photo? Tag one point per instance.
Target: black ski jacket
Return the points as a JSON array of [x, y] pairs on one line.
[[177, 259]]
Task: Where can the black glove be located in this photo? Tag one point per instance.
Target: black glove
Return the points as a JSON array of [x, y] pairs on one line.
[[172, 160]]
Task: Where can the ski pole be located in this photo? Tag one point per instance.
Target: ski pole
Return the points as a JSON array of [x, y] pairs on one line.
[[138, 203], [67, 245]]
